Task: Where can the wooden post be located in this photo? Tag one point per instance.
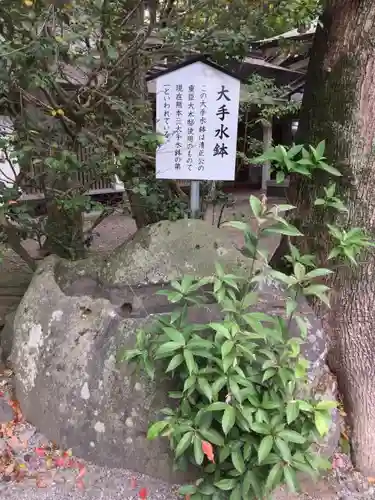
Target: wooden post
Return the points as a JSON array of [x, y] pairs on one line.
[[267, 143]]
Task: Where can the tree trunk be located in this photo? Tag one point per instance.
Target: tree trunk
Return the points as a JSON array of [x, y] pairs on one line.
[[339, 106]]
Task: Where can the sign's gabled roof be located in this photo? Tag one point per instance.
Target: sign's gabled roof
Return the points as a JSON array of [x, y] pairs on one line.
[[191, 60]]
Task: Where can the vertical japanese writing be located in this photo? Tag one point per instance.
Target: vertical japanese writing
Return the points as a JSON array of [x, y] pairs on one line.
[[190, 125], [202, 126], [167, 112], [179, 115], [221, 149]]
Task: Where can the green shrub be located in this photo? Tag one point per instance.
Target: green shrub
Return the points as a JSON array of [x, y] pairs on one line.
[[240, 414]]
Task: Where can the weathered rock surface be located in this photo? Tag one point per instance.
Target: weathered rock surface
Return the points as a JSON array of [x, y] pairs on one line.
[[76, 318]]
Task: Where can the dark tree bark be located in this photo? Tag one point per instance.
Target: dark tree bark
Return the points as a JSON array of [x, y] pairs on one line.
[[339, 106]]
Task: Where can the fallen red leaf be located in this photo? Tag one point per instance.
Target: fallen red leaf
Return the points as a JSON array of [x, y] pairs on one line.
[[143, 493], [208, 450], [80, 484], [82, 472], [187, 497], [133, 483], [60, 462], [41, 452]]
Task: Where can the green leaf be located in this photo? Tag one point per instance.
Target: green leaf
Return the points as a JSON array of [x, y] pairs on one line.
[[212, 436], [167, 348], [229, 419], [198, 452], [273, 478], [292, 411], [328, 168], [256, 206], [260, 428], [283, 448], [291, 479], [204, 386], [187, 489], [316, 273], [265, 448], [287, 230], [242, 226], [251, 481], [319, 151], [218, 385], [189, 382], [280, 176], [238, 461], [292, 436], [156, 429], [326, 405], [322, 422], [236, 493], [223, 330], [175, 335], [226, 484], [190, 363], [302, 324], [184, 443], [226, 348], [235, 390], [175, 362]]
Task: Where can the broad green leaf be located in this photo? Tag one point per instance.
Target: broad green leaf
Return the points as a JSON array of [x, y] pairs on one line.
[[292, 436], [220, 328], [316, 273], [224, 454], [156, 429], [212, 436], [187, 489], [260, 428], [190, 362], [290, 478], [189, 382], [229, 419], [326, 405], [291, 306], [292, 411], [319, 151], [238, 461], [204, 386], [265, 448], [283, 448], [256, 206], [299, 271], [235, 390], [198, 452], [184, 443], [236, 493], [251, 481], [322, 422], [284, 278], [286, 230], [175, 335], [294, 150], [175, 362], [242, 226], [328, 168], [226, 348], [167, 348], [218, 385], [273, 478], [226, 484]]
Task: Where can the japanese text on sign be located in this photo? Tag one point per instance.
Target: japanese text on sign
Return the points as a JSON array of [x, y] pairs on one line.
[[197, 112]]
